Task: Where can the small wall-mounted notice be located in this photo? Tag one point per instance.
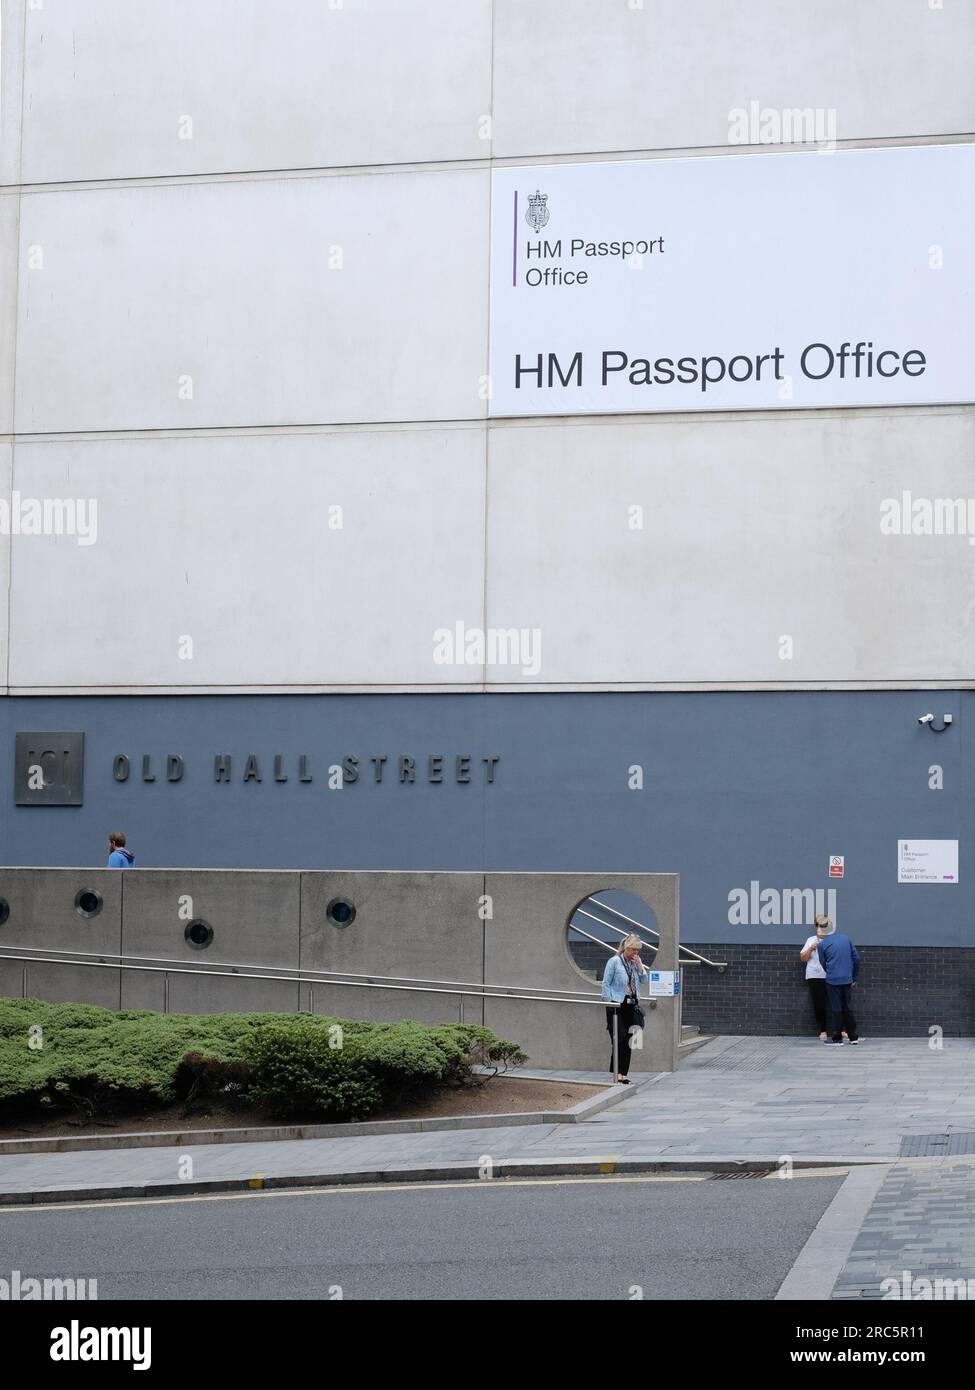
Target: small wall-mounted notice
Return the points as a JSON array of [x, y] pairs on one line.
[[664, 983], [836, 865], [927, 861]]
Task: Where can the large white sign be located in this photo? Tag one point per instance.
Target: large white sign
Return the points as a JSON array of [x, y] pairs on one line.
[[838, 278], [927, 861]]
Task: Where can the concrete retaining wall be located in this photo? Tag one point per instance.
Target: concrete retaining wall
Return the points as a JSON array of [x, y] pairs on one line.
[[433, 929]]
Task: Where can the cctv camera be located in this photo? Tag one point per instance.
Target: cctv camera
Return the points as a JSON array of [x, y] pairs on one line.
[[926, 719]]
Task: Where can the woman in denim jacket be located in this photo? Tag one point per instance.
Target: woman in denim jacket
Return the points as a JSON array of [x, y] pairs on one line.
[[622, 978]]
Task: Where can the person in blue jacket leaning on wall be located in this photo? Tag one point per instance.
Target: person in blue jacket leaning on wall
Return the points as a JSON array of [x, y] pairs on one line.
[[622, 978], [841, 961]]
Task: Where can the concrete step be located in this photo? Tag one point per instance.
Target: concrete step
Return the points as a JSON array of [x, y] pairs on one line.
[[691, 1039]]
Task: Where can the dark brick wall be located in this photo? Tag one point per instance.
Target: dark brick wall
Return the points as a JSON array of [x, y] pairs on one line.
[[903, 990], [591, 958]]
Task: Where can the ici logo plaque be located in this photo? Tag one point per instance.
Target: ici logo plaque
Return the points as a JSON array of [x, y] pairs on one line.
[[49, 769]]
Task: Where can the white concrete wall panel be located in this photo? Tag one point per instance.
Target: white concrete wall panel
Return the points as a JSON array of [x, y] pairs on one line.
[[110, 88], [601, 75], [6, 473], [12, 14], [9, 218], [361, 299], [11, 72], [754, 530], [9, 259], [230, 541], [237, 287]]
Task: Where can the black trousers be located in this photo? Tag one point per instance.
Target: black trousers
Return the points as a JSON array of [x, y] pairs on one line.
[[839, 999], [624, 1024], [817, 992]]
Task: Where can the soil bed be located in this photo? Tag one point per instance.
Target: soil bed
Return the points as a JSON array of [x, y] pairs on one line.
[[502, 1095]]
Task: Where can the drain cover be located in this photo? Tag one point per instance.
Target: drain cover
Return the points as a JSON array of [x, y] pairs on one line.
[[748, 1055], [942, 1145], [739, 1173]]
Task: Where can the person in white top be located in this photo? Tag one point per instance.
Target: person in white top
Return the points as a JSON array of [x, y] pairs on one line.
[[816, 975]]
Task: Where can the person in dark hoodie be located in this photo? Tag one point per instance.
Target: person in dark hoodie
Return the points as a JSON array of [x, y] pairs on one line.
[[118, 856], [840, 959]]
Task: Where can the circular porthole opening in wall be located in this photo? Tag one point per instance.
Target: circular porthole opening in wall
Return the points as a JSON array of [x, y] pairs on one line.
[[599, 926], [340, 912], [87, 902], [198, 934], [4, 910]]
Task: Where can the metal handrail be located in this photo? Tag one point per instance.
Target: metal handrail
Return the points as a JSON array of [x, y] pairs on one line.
[[609, 927], [652, 930], [581, 931], [107, 960], [695, 959], [69, 957], [717, 964]]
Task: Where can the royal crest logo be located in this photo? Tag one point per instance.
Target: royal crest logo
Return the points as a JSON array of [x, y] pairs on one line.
[[538, 214]]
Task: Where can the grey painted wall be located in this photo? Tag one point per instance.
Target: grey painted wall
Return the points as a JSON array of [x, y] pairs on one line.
[[738, 787]]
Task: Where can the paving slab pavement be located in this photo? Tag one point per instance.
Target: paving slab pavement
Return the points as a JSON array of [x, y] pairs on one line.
[[917, 1241], [838, 1104]]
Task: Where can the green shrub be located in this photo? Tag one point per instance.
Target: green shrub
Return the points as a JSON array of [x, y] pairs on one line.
[[296, 1072], [469, 1044], [102, 1062]]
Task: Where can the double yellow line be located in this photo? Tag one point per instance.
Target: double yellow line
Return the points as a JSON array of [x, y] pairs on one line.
[[480, 1184]]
